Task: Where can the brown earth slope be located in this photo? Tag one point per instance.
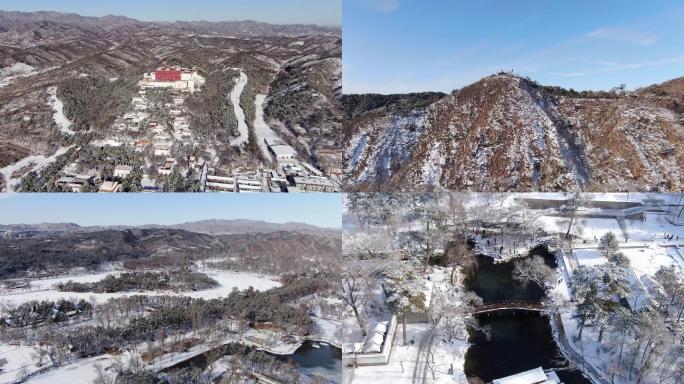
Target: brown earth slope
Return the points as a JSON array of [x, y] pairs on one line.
[[506, 133]]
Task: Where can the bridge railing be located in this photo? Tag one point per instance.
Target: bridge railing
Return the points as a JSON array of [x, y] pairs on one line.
[[531, 305]]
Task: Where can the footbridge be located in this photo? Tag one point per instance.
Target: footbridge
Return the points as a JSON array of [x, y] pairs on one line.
[[510, 306]]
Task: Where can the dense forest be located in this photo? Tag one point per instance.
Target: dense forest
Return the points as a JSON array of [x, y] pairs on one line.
[[162, 247], [95, 102], [60, 253], [212, 112], [179, 280]]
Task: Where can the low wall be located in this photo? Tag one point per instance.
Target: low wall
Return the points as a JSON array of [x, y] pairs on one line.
[[375, 358]]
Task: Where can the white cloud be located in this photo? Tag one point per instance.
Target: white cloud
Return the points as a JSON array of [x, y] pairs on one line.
[[621, 67], [624, 35]]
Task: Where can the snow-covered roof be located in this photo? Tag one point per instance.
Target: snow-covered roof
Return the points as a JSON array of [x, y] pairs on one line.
[[283, 151], [533, 376]]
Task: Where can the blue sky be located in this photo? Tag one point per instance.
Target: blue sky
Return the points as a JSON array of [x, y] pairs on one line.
[[323, 12], [417, 45], [321, 209]]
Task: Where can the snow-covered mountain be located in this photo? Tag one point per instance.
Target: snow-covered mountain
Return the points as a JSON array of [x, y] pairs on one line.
[[507, 133]]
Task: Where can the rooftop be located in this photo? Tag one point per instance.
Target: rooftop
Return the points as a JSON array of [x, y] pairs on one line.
[[533, 376]]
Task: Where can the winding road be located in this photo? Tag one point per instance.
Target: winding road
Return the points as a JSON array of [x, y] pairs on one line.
[[235, 94]]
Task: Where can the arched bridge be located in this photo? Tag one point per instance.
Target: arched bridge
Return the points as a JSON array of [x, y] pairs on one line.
[[510, 306]]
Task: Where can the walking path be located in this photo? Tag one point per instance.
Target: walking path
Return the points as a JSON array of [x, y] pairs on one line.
[[421, 368], [571, 355]]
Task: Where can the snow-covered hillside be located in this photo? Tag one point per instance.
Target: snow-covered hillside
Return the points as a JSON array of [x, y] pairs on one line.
[[506, 133]]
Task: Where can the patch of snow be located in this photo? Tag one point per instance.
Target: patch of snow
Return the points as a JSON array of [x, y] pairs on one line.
[[20, 361], [44, 289], [38, 162], [62, 121], [261, 129]]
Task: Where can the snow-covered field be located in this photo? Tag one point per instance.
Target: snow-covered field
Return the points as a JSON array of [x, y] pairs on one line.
[[14, 71], [82, 371], [43, 289], [37, 162], [17, 362], [404, 358]]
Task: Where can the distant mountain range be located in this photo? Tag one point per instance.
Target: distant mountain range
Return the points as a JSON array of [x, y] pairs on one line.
[[212, 227], [24, 21], [508, 133]]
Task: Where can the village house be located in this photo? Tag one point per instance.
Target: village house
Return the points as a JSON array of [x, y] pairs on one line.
[[161, 149], [122, 170], [148, 185], [76, 182], [166, 166], [109, 187], [141, 144]]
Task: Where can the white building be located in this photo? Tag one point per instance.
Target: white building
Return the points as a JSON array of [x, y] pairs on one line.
[[220, 183], [533, 376], [283, 153], [314, 184], [249, 184]]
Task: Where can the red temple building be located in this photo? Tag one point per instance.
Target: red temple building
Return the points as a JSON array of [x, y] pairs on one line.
[[167, 74]]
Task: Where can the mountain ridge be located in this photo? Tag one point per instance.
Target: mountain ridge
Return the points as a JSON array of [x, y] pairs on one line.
[[209, 226], [241, 28], [508, 133]]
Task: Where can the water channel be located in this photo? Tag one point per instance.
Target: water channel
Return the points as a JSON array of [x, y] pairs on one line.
[[312, 358], [517, 341]]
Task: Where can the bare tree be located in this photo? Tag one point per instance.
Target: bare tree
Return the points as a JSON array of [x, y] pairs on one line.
[[459, 256], [534, 269], [571, 207], [356, 283], [452, 308]]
